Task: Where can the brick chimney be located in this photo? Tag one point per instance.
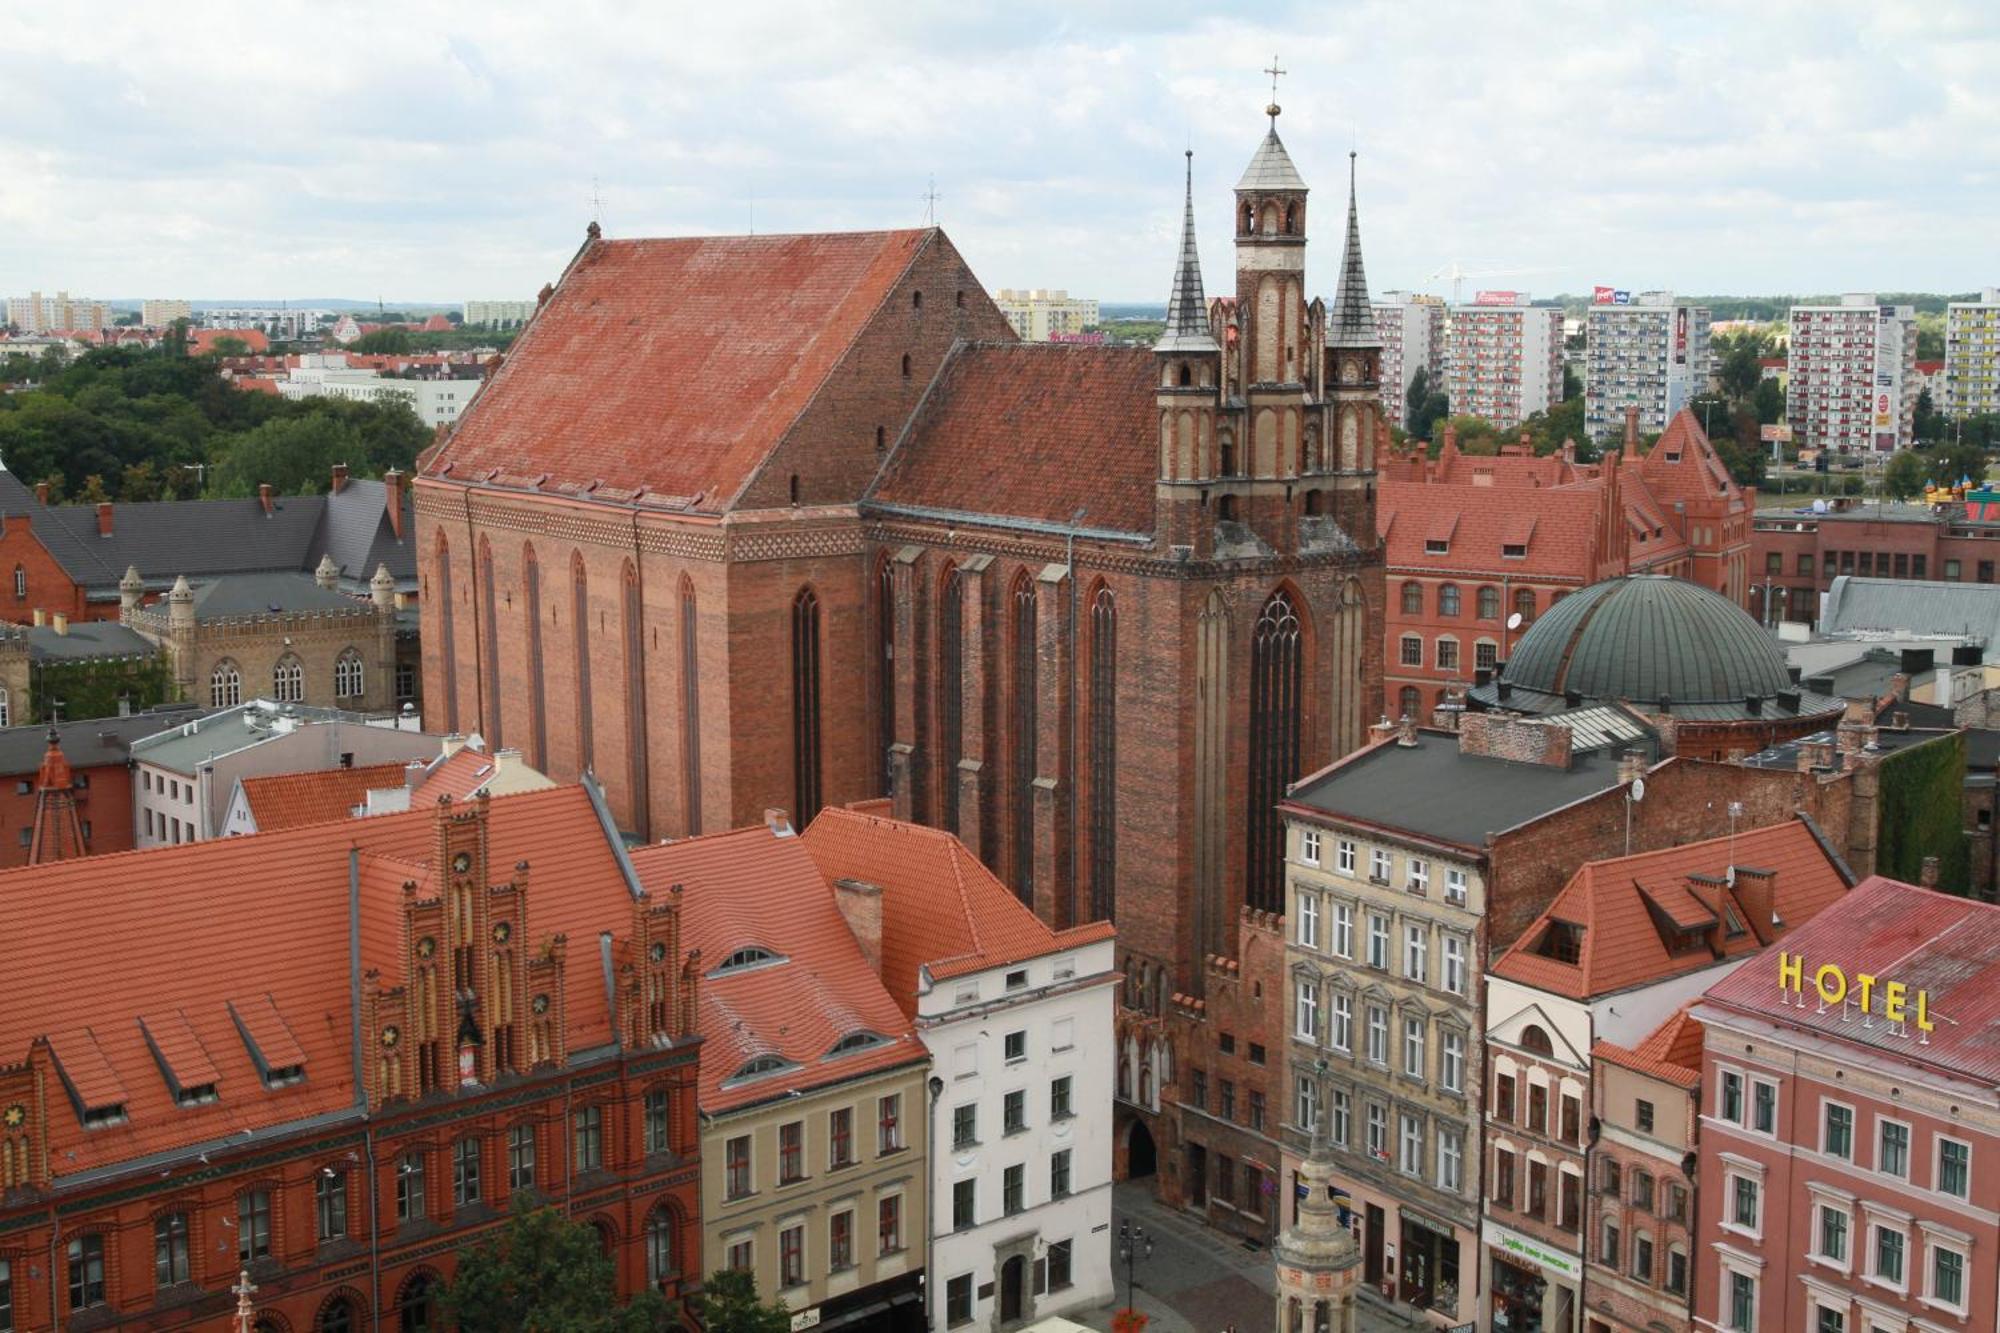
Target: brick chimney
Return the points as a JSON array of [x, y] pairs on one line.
[[1524, 740], [1631, 432], [860, 906], [60, 620], [264, 498], [339, 478], [41, 493], [1406, 732], [392, 483], [778, 821], [1383, 730], [104, 518], [1757, 890], [1631, 766]]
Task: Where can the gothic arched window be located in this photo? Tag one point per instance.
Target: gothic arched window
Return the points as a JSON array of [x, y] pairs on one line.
[[885, 670], [349, 680], [950, 695], [1022, 723], [288, 680], [1103, 754], [449, 650], [635, 702], [690, 709], [531, 618], [579, 619], [805, 706], [225, 685], [489, 646], [659, 1246], [1276, 653]]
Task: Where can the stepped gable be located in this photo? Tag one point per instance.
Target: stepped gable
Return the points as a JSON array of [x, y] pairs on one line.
[[674, 365], [1033, 431]]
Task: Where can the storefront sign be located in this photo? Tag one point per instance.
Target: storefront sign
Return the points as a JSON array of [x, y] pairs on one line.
[[805, 1319], [1899, 1003], [1516, 1246]]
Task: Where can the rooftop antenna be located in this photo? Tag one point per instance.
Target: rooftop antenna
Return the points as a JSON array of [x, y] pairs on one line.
[[596, 204], [931, 197]]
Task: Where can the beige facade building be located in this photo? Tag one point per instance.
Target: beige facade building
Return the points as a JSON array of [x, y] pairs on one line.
[[159, 314], [1039, 314], [61, 313]]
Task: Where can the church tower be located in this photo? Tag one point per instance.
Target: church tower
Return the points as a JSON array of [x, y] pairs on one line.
[[1353, 374], [1273, 341], [1188, 367], [1316, 1256]]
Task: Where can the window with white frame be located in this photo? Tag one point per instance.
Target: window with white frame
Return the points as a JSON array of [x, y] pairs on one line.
[[1451, 1061], [1892, 1149], [348, 675], [1378, 1034], [1305, 1107], [1413, 1047], [1745, 1203], [1836, 1137], [1378, 865], [1830, 1235], [1343, 929], [1454, 886], [1412, 1140], [1763, 1106], [1887, 1254], [1947, 1276], [1340, 1030], [1417, 876], [1416, 952], [1413, 650], [1309, 846], [1308, 921], [1378, 1131], [1308, 1009], [1729, 1097], [1954, 1167], [1454, 964], [1739, 1303], [1378, 941], [1451, 1162], [1343, 855], [1343, 1118]]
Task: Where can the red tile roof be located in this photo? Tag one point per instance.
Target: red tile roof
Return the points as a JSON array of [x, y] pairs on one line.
[[675, 365], [1476, 523], [460, 776], [288, 800], [1037, 431], [1617, 902], [189, 940], [1671, 1052], [204, 340], [751, 889], [1948, 947], [1697, 475], [942, 910]]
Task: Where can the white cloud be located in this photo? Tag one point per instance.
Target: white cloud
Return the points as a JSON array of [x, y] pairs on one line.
[[447, 151]]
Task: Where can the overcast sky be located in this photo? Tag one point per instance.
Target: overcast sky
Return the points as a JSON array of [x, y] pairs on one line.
[[440, 151]]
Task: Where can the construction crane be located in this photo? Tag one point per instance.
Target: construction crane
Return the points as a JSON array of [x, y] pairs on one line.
[[1457, 273]]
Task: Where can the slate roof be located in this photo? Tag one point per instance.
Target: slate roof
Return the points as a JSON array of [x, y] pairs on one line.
[[262, 594], [1670, 1053], [289, 800], [1929, 941], [1393, 786], [1187, 309], [269, 915], [1033, 431], [1621, 904], [753, 888], [943, 911], [208, 538], [1351, 321], [85, 640], [1271, 166], [90, 743], [198, 737], [675, 365]]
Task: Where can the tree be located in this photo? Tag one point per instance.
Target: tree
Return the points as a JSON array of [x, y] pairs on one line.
[[542, 1273], [294, 455], [387, 342], [230, 346], [1949, 463], [1904, 476], [1768, 402], [1572, 383], [1928, 423], [728, 1304], [1423, 406]]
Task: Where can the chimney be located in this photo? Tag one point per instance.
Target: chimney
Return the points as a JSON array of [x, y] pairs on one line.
[[1524, 740], [1757, 890], [1631, 432], [413, 773], [1928, 875], [42, 493], [1965, 654], [1915, 661], [860, 906], [339, 478], [104, 518], [1382, 730], [41, 617], [1406, 732], [778, 821], [1631, 766], [1754, 705], [392, 483], [61, 622], [264, 498]]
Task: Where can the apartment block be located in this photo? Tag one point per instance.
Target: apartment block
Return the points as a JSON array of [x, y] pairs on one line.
[[499, 314], [159, 314], [1506, 358], [1038, 314], [1411, 327], [1852, 384], [1972, 355], [1648, 353], [61, 313]]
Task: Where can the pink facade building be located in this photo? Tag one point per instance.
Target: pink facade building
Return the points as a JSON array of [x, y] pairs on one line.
[[1850, 1125]]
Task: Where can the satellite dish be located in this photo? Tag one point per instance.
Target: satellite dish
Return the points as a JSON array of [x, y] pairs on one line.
[[1514, 621], [1638, 789]]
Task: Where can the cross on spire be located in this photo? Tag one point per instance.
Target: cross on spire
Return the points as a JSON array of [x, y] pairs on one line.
[[1275, 72], [931, 197]]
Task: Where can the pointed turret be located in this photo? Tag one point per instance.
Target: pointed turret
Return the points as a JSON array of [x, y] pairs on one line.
[[58, 834], [1351, 322], [1187, 306]]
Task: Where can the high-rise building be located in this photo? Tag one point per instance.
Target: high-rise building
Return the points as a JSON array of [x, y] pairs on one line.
[[1972, 355], [499, 314], [1040, 314], [1506, 358], [61, 313], [159, 314], [1411, 326], [1853, 375], [1648, 353]]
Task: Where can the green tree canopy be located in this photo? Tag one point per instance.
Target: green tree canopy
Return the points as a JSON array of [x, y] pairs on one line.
[[1423, 406], [1904, 475], [728, 1304], [392, 342], [542, 1273]]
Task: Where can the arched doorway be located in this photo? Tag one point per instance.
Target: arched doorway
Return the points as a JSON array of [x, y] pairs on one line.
[[1013, 1288], [1141, 1158]]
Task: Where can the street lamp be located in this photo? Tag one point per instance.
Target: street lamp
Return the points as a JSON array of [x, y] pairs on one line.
[[1133, 1245]]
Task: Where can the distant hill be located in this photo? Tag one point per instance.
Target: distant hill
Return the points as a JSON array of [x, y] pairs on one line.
[[337, 303]]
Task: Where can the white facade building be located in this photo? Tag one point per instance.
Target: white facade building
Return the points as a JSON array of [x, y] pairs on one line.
[[499, 314], [1852, 386], [324, 375], [1650, 354], [1506, 358], [1412, 329], [1972, 356], [1038, 314], [283, 322]]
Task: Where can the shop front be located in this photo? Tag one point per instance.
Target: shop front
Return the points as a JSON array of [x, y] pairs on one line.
[[1533, 1287], [1430, 1277]]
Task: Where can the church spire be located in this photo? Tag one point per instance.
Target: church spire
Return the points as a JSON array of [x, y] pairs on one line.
[[1187, 307], [58, 834], [1351, 322]]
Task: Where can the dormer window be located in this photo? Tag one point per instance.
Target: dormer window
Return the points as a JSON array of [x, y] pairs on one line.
[[104, 1117], [1514, 550], [1436, 547], [749, 956], [856, 1041], [284, 1076], [201, 1094], [762, 1066]]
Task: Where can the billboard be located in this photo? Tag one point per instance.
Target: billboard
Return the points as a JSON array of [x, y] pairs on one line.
[[1499, 298], [1610, 296], [1681, 336], [1779, 433]]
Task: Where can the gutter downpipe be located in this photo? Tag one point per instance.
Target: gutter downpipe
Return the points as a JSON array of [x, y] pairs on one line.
[[360, 1088], [935, 1086]]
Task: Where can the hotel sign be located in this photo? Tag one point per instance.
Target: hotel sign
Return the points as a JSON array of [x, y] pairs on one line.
[[1899, 1003]]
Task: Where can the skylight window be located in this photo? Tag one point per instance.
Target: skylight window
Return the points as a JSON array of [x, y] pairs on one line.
[[1435, 547], [750, 955], [762, 1066], [103, 1117], [856, 1041], [201, 1094]]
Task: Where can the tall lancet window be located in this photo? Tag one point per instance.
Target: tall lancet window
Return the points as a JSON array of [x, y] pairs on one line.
[[1276, 649]]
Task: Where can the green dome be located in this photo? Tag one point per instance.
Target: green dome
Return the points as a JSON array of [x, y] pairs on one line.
[[1648, 637]]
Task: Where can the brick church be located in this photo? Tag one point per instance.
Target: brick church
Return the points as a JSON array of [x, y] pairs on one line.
[[793, 521]]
